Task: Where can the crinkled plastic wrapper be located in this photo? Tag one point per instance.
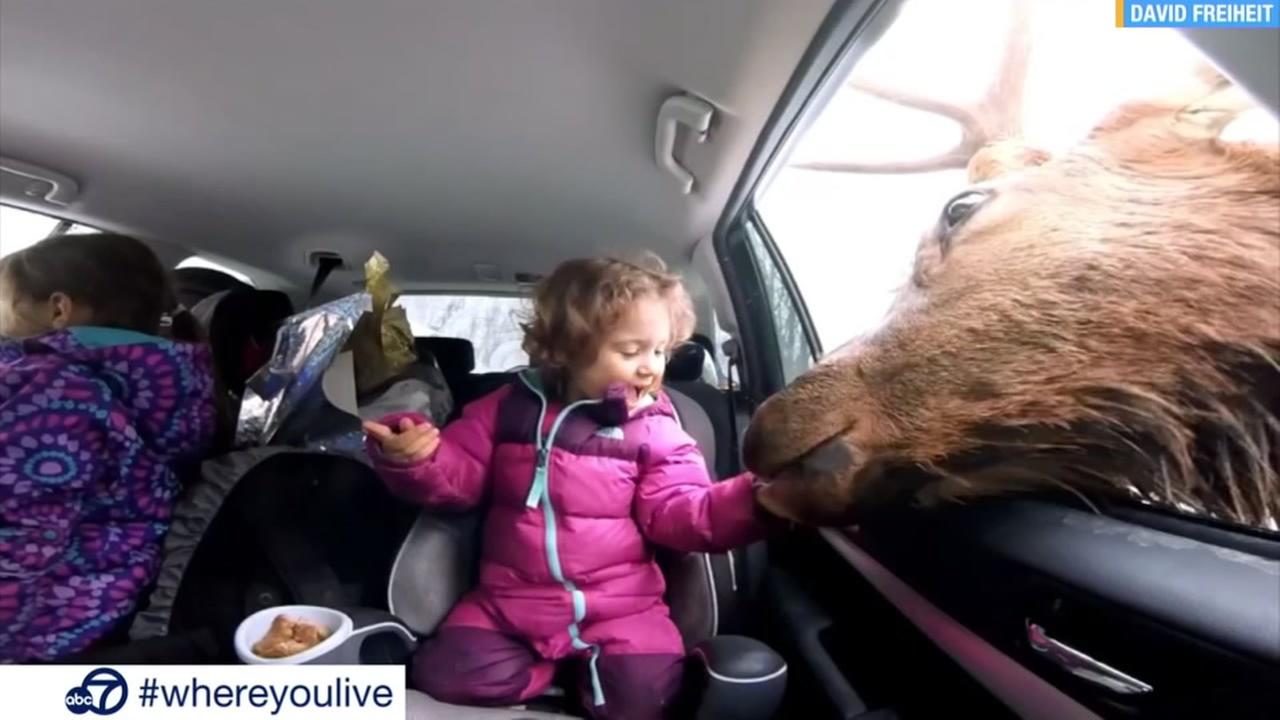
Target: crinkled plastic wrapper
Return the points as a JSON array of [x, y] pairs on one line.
[[306, 345]]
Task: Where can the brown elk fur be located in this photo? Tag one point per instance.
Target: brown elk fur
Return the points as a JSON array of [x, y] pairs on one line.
[[1108, 322]]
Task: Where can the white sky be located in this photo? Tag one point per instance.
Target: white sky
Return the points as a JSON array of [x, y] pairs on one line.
[[849, 238], [19, 229]]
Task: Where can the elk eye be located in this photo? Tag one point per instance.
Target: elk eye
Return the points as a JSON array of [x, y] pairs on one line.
[[961, 207]]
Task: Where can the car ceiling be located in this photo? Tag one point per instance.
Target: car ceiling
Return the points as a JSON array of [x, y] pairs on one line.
[[442, 132]]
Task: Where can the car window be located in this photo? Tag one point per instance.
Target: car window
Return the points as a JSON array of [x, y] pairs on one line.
[[847, 203], [78, 229], [844, 208], [22, 228], [794, 349], [490, 322], [196, 261]]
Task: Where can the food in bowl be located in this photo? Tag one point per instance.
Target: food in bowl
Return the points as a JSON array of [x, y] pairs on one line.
[[290, 636]]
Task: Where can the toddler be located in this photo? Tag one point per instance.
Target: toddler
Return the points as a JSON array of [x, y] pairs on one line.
[[583, 464]]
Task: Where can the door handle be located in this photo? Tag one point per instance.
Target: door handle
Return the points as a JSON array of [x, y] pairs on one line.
[[1083, 666]]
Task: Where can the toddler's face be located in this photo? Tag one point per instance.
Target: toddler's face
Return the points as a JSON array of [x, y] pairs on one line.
[[633, 352]]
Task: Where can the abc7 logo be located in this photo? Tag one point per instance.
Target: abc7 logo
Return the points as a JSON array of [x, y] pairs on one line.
[[114, 691]]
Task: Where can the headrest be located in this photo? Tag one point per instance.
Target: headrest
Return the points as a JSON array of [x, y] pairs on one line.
[[455, 356], [685, 364], [193, 284], [243, 308], [241, 325]]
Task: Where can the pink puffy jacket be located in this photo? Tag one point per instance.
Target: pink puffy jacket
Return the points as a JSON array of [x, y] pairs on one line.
[[576, 496]]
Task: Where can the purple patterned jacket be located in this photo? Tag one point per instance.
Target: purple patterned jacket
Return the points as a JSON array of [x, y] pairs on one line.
[[90, 420]]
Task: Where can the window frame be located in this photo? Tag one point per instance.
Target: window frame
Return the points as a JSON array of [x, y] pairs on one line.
[[849, 30], [808, 333]]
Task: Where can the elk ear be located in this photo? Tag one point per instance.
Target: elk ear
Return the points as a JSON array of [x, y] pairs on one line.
[[1002, 157], [1198, 111], [1208, 115]]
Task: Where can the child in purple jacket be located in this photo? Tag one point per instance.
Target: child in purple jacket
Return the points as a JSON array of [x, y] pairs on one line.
[[93, 409], [583, 465]]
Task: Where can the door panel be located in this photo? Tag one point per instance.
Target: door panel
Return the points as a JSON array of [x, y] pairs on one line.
[[851, 653], [931, 613], [1197, 622]]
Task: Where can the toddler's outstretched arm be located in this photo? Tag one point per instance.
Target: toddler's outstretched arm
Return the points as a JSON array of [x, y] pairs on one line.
[[678, 506], [449, 469]]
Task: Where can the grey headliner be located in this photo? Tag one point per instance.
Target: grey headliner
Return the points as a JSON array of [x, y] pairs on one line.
[[442, 132]]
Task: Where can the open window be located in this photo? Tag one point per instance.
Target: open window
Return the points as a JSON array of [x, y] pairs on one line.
[[22, 228], [197, 261], [1043, 606]]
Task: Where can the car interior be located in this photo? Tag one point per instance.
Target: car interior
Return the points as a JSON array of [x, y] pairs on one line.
[[265, 150]]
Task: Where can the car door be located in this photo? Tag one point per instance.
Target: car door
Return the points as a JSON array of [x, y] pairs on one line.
[[1035, 606]]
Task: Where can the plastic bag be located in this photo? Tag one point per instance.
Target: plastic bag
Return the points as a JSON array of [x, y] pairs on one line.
[[333, 365], [306, 345]]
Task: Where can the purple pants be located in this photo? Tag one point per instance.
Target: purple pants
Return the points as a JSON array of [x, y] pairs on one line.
[[477, 666]]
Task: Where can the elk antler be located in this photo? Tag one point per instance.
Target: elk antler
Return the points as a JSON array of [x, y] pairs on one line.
[[995, 116]]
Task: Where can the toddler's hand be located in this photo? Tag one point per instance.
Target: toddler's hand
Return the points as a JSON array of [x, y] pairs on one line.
[[411, 444], [767, 501]]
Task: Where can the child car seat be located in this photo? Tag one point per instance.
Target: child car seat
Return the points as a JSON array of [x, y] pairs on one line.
[[728, 677], [264, 527]]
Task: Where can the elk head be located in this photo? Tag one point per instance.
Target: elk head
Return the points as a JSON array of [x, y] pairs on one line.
[[1106, 321]]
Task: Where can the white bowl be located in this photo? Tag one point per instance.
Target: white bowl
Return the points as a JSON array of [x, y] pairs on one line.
[[254, 627]]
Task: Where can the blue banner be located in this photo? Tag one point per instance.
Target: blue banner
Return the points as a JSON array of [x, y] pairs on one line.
[[1197, 14]]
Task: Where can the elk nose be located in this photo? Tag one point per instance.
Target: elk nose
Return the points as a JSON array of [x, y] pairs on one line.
[[767, 446], [818, 406]]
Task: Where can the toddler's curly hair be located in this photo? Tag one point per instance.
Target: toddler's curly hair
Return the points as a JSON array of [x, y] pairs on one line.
[[581, 299]]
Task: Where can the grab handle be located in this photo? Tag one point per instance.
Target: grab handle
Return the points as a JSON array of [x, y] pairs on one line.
[[62, 190], [680, 110]]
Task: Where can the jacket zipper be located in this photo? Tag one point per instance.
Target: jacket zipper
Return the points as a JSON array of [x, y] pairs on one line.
[[540, 495]]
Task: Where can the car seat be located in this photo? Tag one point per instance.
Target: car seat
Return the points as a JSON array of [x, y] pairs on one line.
[[728, 676], [265, 527], [241, 324], [278, 524], [456, 358], [684, 374]]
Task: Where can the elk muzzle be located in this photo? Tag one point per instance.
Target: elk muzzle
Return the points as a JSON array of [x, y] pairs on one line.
[[802, 445]]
